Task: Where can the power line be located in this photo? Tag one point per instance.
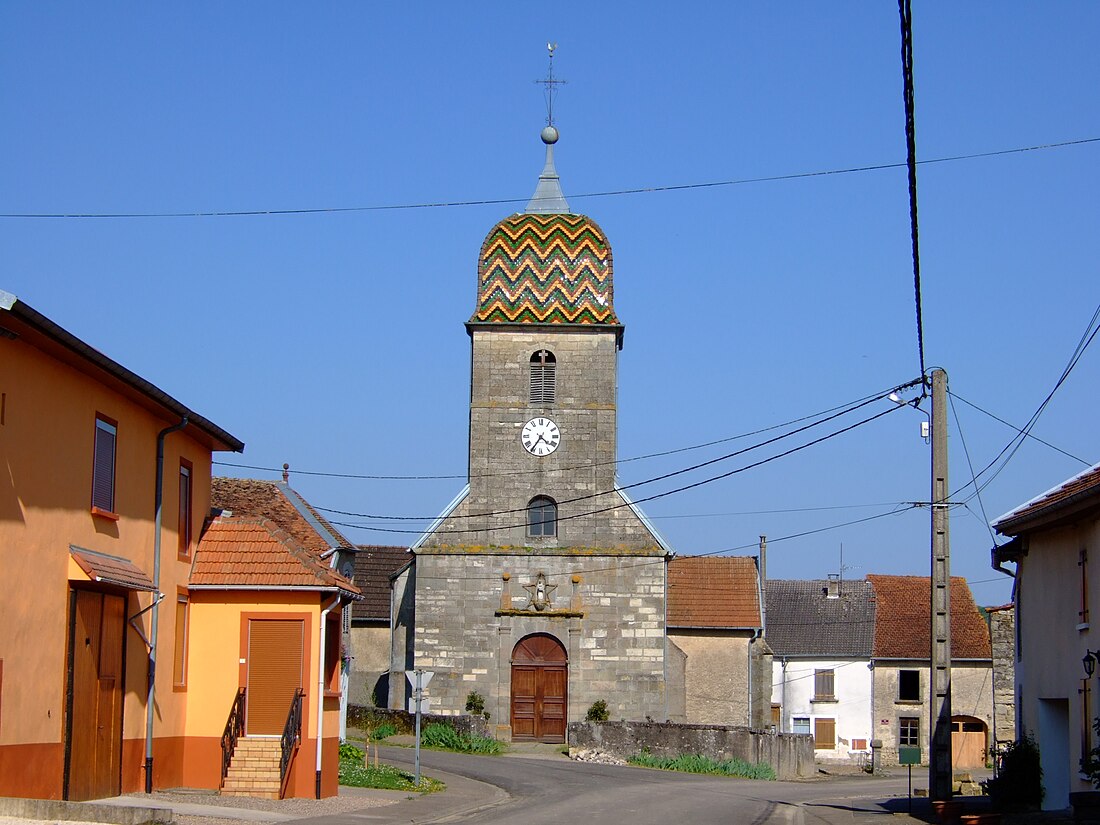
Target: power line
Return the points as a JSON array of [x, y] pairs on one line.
[[536, 470], [911, 159], [1017, 429], [643, 190]]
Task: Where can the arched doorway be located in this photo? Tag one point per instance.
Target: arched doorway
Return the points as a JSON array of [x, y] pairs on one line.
[[968, 742], [540, 673]]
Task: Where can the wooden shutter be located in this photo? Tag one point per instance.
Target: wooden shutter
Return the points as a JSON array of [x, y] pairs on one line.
[[103, 468], [824, 734], [274, 672], [184, 526], [179, 659]]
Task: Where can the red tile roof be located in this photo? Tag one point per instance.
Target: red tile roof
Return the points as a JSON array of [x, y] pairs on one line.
[[1083, 486], [271, 500], [373, 566], [713, 592], [903, 606], [100, 567], [255, 553]]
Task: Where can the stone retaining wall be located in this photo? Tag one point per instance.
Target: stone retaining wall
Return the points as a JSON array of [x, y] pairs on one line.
[[791, 755], [366, 718]]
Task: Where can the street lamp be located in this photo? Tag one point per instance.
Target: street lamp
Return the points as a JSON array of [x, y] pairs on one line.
[[1088, 662]]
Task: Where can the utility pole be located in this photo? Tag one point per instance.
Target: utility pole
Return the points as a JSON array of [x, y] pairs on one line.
[[939, 762]]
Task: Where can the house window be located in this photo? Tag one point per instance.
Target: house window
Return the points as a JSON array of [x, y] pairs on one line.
[[824, 734], [800, 724], [823, 686], [103, 466], [179, 659], [184, 527], [908, 685], [542, 517], [909, 731], [543, 378], [333, 645], [1083, 563]]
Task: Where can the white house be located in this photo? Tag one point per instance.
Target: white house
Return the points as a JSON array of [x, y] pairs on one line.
[[821, 634]]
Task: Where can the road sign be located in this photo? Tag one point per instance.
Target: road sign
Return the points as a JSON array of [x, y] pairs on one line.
[[425, 705], [425, 677]]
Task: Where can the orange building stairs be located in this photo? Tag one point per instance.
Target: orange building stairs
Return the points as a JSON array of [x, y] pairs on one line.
[[254, 770]]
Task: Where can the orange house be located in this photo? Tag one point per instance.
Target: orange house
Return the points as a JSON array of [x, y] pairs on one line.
[[104, 486], [267, 600]]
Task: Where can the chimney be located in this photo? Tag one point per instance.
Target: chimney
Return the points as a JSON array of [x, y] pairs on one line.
[[832, 587], [286, 474]]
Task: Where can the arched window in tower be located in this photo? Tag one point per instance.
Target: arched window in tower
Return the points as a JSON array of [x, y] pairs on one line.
[[542, 517], [542, 377]]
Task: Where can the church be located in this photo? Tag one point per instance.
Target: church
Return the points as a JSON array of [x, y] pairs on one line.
[[542, 587]]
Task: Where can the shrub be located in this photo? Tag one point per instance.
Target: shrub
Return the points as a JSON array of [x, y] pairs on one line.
[[350, 751], [1019, 783], [386, 729], [598, 712], [475, 704], [444, 737], [693, 763]]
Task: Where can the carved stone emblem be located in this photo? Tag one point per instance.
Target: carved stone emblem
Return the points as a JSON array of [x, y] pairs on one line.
[[540, 593]]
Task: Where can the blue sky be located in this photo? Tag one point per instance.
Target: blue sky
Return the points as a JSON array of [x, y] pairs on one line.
[[334, 341]]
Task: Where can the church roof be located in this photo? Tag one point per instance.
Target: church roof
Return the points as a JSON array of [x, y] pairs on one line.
[[546, 265]]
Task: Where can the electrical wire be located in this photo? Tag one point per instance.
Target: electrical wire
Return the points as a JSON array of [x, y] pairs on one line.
[[643, 190], [906, 13], [970, 464], [1017, 429], [376, 477]]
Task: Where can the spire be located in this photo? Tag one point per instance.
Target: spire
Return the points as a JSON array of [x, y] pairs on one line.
[[548, 197]]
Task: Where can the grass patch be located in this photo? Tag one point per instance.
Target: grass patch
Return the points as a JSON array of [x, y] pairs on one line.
[[383, 731], [353, 773], [691, 763], [445, 738]]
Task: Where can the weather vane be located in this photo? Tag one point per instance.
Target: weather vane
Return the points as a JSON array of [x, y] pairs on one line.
[[550, 83]]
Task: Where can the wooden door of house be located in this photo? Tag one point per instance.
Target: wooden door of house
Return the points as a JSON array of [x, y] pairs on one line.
[[540, 675], [274, 673], [97, 623], [967, 742]]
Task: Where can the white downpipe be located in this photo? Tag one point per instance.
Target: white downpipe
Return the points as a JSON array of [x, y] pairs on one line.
[[321, 687]]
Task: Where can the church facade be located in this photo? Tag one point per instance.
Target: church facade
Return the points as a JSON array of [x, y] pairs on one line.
[[542, 588]]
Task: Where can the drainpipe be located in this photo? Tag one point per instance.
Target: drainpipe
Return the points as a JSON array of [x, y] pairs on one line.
[[783, 698], [321, 687], [158, 501]]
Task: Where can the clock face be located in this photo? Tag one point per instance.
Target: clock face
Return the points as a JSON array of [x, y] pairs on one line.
[[540, 436]]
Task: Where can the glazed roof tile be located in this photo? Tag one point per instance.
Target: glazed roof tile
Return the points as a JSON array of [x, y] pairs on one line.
[[241, 552], [373, 566], [1083, 486], [803, 621], [903, 606], [713, 592]]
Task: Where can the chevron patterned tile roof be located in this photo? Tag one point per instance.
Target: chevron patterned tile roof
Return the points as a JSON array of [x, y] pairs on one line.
[[545, 269]]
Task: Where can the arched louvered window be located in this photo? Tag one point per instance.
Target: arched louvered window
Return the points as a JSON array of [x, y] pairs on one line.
[[542, 377], [542, 517]]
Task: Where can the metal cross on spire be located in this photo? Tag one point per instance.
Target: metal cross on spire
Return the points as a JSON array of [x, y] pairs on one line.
[[550, 82]]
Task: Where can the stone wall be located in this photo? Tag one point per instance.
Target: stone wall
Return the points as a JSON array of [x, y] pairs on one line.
[[366, 718], [606, 611], [716, 676], [1002, 631], [790, 755], [368, 680]]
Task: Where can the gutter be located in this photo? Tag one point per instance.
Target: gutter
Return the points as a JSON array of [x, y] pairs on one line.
[[321, 687], [154, 622]]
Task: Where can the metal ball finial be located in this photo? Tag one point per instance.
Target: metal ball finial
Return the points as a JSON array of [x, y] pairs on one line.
[[549, 135]]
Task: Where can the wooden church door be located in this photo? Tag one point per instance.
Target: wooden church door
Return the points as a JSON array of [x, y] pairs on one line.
[[540, 673]]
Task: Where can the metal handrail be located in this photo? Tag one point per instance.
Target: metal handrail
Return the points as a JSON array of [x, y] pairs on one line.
[[292, 735], [234, 728]]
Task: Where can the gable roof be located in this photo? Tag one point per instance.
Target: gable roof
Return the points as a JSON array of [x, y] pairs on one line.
[[1079, 492], [903, 609], [254, 553], [21, 321], [373, 566], [276, 501], [718, 592], [803, 621]]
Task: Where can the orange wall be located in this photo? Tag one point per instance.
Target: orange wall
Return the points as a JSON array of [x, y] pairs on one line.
[[46, 444]]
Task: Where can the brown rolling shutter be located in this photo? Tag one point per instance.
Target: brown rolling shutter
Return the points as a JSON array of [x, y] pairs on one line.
[[103, 470], [274, 673]]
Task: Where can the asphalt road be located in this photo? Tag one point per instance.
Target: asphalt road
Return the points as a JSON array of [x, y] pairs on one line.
[[536, 791]]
